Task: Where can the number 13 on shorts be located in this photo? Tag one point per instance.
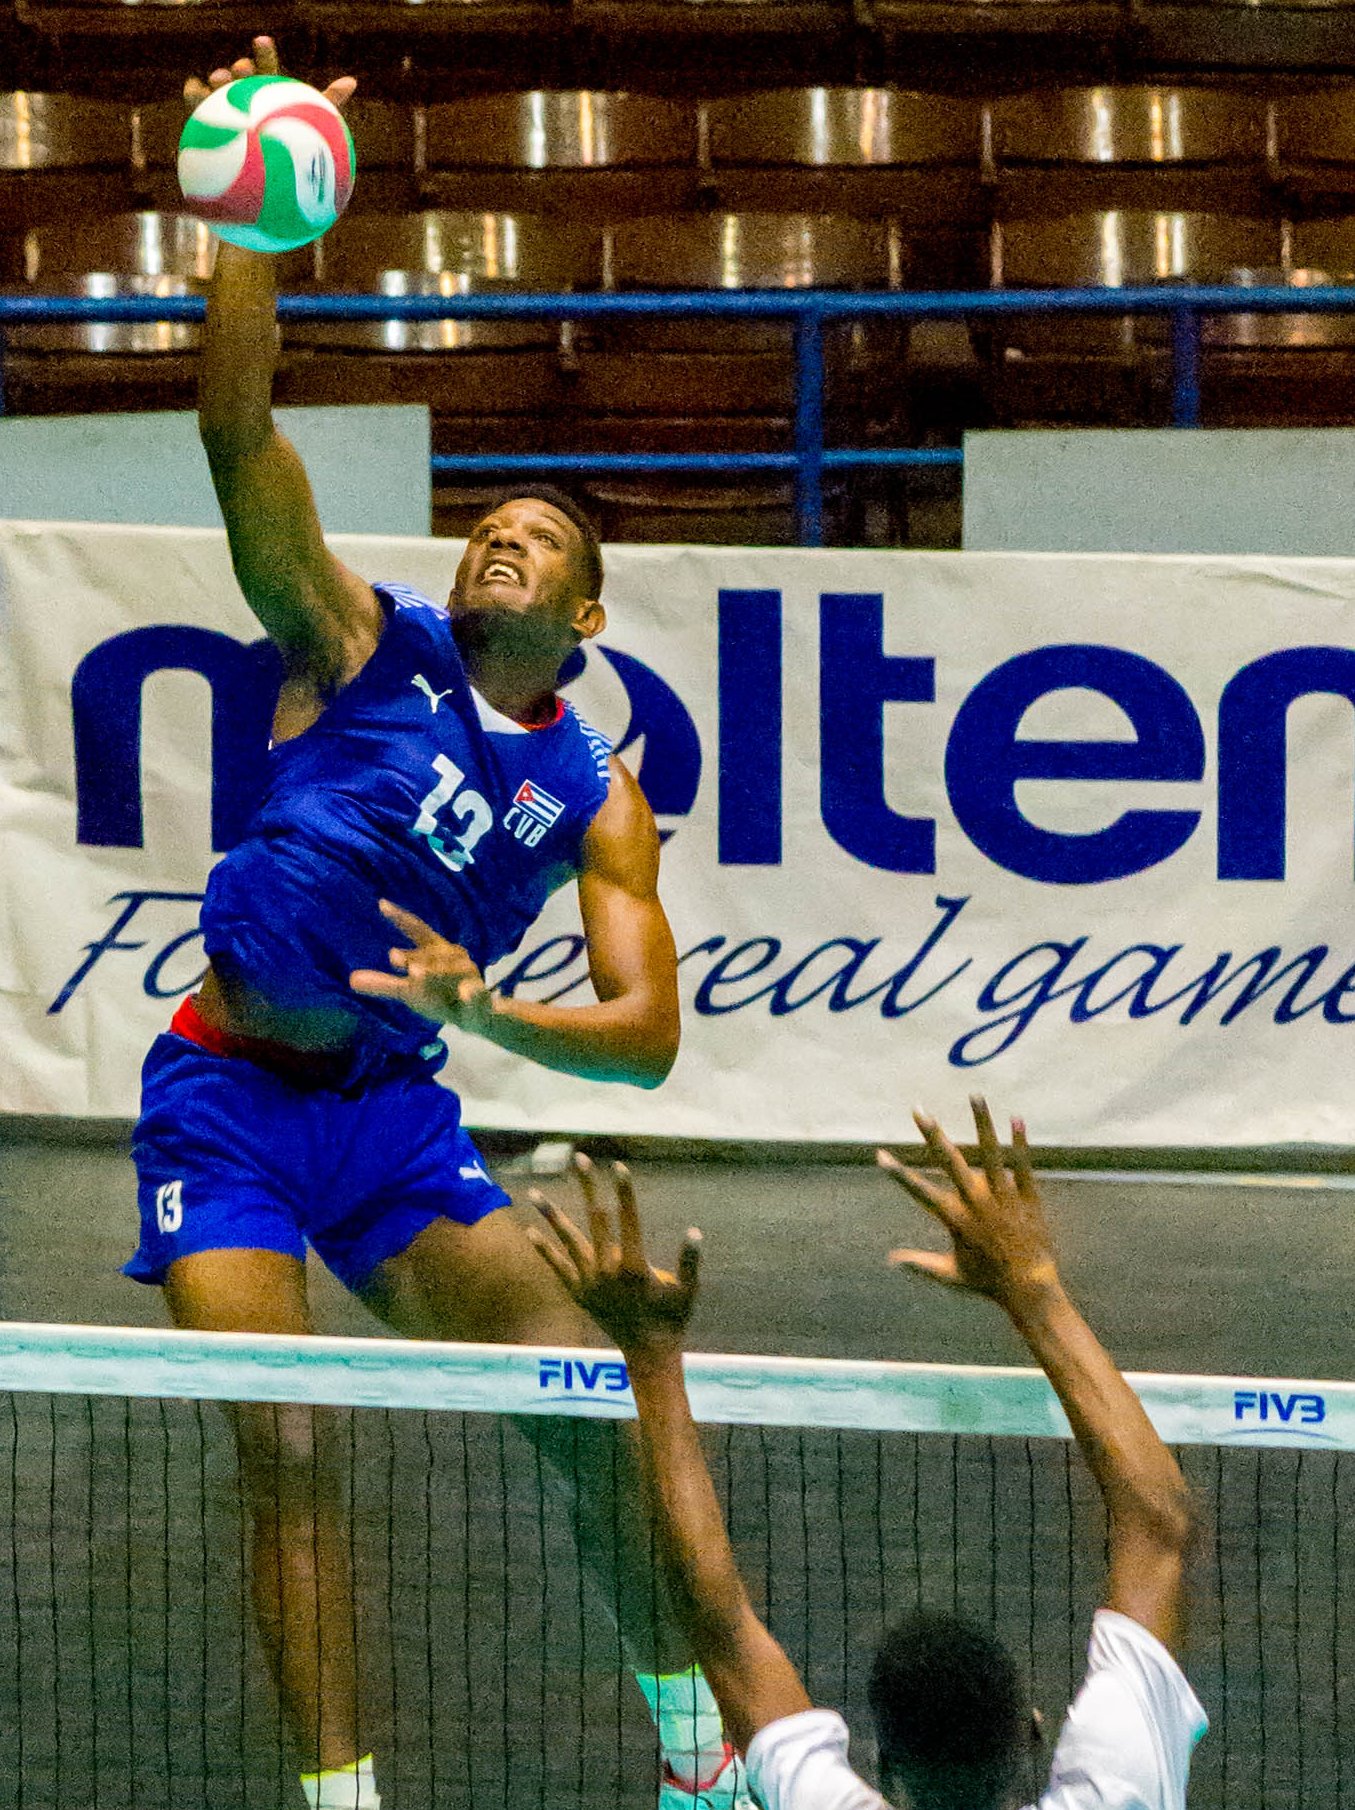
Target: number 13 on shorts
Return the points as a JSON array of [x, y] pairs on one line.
[[169, 1206]]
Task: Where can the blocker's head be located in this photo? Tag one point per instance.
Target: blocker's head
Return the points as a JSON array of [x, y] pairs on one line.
[[530, 579], [953, 1719]]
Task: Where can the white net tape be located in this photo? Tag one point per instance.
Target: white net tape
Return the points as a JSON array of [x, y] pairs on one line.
[[769, 1391]]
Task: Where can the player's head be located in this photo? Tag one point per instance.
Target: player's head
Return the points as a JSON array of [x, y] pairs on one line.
[[952, 1717], [530, 579]]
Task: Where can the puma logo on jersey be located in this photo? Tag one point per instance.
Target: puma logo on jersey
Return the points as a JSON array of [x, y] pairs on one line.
[[434, 697]]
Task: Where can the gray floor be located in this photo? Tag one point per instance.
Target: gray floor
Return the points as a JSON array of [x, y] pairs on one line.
[[1194, 1276], [127, 1662]]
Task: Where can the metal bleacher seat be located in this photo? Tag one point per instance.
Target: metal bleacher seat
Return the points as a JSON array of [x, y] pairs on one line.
[[102, 364], [1264, 368], [1315, 146], [576, 154], [1114, 185], [1179, 149], [700, 384], [1070, 21], [493, 385], [1107, 367], [61, 157], [769, 20], [136, 22], [913, 159], [445, 253], [454, 31], [881, 152]]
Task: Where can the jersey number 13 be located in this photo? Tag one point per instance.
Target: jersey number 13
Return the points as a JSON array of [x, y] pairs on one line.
[[469, 807]]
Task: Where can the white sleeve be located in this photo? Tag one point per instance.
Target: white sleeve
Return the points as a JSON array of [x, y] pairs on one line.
[[800, 1763], [1128, 1738]]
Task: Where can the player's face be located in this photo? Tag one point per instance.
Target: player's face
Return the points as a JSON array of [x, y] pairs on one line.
[[524, 559]]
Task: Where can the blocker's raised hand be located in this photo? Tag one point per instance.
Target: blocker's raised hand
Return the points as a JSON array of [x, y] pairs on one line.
[[642, 1309], [435, 978], [1000, 1245], [264, 61]]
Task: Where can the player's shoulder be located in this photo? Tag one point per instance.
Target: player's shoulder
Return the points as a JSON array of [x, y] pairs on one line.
[[403, 598], [1132, 1728], [417, 629], [800, 1762], [595, 747]]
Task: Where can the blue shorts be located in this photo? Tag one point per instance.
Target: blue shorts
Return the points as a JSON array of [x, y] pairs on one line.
[[230, 1156]]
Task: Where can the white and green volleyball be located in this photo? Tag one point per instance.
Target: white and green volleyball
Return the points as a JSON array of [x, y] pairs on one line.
[[267, 162]]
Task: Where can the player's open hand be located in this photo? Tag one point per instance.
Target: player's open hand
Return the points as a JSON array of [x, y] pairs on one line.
[[642, 1309], [433, 977], [1000, 1244], [264, 61]]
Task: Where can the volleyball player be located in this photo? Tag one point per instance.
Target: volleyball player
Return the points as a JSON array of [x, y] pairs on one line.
[[427, 783], [954, 1726]]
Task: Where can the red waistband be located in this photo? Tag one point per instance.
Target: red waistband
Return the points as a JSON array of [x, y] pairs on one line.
[[322, 1066]]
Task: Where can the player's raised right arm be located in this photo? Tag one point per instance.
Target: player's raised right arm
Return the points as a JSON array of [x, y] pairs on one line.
[[323, 616], [1000, 1247]]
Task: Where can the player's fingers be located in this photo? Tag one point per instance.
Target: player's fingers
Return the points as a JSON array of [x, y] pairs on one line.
[[990, 1150], [628, 1214], [341, 91], [936, 1266], [468, 991], [894, 1167], [399, 958], [219, 77], [564, 1228], [405, 921], [266, 56], [244, 66], [556, 1258], [930, 1195], [1022, 1167], [948, 1155], [599, 1225], [600, 1230], [195, 91], [586, 1176], [379, 986], [689, 1262]]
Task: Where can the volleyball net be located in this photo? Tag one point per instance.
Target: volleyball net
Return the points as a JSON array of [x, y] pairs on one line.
[[132, 1678]]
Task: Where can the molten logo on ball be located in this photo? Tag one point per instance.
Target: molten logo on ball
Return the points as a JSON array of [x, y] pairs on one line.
[[268, 162]]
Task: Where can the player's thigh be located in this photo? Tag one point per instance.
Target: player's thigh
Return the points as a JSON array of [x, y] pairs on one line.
[[238, 1290], [485, 1282], [284, 1450]]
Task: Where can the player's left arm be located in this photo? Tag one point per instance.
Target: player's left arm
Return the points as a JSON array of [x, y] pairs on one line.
[[631, 1033], [646, 1312]]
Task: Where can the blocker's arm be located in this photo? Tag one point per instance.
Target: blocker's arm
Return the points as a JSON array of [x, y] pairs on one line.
[[1146, 1497], [646, 1311], [1001, 1248]]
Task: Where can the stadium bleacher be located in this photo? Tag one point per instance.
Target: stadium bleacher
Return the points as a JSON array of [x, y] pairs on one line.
[[614, 144]]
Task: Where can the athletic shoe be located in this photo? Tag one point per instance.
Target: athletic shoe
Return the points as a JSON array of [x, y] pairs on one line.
[[726, 1789]]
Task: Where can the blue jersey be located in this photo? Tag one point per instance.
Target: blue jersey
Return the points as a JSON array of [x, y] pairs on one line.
[[408, 787]]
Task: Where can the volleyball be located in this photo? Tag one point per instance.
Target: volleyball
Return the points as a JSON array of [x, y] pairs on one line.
[[267, 161]]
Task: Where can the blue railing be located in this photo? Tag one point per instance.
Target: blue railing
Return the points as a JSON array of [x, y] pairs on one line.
[[808, 310]]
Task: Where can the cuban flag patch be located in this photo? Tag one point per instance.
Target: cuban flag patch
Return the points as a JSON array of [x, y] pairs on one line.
[[537, 803], [532, 813]]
